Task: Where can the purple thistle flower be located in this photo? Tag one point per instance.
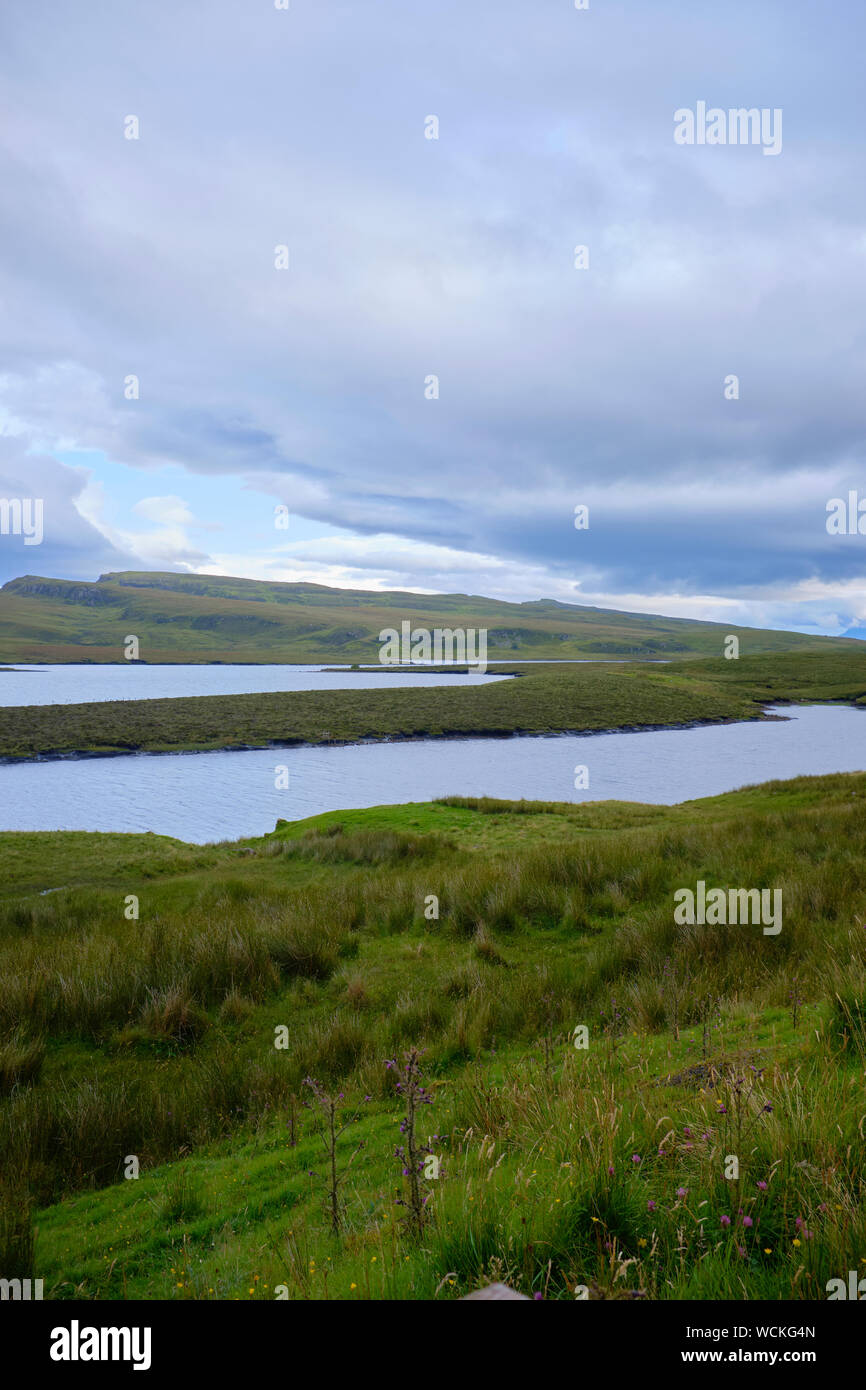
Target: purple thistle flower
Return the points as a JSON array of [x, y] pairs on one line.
[[725, 1220]]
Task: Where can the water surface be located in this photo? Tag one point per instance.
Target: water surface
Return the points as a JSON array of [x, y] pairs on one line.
[[213, 796], [71, 685]]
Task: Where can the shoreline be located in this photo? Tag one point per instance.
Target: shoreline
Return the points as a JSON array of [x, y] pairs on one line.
[[31, 668], [83, 755]]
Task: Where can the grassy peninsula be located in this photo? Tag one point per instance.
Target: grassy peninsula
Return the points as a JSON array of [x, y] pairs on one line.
[[540, 699]]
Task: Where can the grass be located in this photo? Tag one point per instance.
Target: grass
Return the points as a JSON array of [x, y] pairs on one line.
[[543, 699], [560, 1167]]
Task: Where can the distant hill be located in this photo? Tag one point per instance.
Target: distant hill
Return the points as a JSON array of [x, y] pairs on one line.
[[203, 618]]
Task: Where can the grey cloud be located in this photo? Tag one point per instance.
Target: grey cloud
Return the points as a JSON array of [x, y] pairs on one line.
[[70, 546], [453, 257]]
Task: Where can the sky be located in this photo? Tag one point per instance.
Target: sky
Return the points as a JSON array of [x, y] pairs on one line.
[[431, 385]]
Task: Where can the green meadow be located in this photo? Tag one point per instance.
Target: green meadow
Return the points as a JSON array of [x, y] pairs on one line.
[[557, 1167]]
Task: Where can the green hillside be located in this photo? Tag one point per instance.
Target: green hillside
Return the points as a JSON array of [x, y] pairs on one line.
[[604, 1167], [201, 618]]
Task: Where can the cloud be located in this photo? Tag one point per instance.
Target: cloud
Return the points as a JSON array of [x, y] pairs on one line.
[[167, 546], [71, 545], [454, 257], [168, 511]]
